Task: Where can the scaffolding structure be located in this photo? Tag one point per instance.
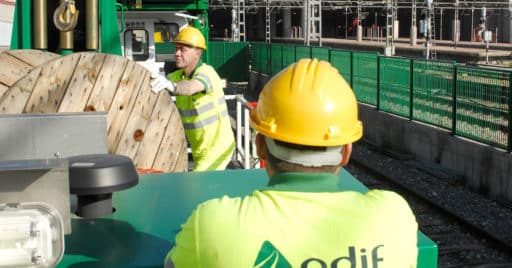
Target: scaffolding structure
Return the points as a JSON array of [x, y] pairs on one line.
[[340, 4], [312, 14]]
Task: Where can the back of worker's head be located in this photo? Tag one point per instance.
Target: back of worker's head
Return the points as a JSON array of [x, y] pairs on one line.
[[192, 37], [307, 113]]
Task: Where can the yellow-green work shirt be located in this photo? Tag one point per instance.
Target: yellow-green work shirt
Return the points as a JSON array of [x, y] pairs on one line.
[[301, 220]]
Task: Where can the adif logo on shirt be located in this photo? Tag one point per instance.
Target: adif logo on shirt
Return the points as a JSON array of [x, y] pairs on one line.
[[270, 257], [351, 258]]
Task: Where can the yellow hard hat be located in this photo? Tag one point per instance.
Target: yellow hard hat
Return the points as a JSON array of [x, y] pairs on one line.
[[308, 103], [191, 36]]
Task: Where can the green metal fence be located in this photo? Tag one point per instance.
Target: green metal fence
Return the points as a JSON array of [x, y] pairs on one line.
[[395, 85], [302, 52], [364, 76], [342, 60], [483, 105], [432, 91], [321, 53], [288, 56], [276, 59], [260, 57], [471, 102], [230, 59]]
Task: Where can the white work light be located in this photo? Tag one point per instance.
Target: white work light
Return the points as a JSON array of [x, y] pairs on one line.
[[31, 235]]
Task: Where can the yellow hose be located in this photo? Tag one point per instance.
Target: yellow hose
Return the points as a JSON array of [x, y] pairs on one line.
[[65, 16]]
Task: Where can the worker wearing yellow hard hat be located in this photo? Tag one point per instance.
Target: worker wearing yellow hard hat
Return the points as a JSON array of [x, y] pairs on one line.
[[200, 101], [191, 36], [306, 120]]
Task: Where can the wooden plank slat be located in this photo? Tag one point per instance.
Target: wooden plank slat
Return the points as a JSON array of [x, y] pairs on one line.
[[82, 82], [14, 99], [172, 154], [12, 69], [123, 103], [17, 63], [3, 89], [154, 131], [33, 57], [106, 84], [54, 79], [139, 117]]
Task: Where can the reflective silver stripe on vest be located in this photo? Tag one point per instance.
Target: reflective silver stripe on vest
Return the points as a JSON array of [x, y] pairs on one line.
[[204, 122], [206, 79], [202, 109]]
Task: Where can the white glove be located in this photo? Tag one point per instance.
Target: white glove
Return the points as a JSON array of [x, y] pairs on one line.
[[159, 82]]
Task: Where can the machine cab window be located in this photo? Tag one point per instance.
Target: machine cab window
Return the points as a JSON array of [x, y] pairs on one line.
[[165, 32], [136, 44]]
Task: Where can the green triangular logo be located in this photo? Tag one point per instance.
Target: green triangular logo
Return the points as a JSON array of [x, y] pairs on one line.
[[270, 257]]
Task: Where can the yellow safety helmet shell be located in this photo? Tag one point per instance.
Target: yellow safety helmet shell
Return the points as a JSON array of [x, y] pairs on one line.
[[308, 103], [191, 36]]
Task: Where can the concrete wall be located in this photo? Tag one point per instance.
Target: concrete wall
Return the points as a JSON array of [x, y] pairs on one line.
[[482, 167]]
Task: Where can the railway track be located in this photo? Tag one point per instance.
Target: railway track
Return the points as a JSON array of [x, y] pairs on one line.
[[470, 230]]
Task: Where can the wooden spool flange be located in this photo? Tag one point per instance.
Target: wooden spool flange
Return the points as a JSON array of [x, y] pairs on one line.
[[141, 124]]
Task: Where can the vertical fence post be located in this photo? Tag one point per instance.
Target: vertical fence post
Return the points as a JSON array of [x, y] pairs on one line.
[[454, 98], [509, 144], [378, 82], [238, 129], [351, 70], [411, 88]]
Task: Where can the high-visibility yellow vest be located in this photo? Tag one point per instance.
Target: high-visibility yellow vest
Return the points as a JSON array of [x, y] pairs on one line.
[[205, 119]]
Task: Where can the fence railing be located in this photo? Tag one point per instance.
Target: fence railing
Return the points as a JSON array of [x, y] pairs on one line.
[[471, 102]]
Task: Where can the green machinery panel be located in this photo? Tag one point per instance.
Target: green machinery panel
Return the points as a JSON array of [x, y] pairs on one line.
[[149, 215], [109, 33], [165, 4]]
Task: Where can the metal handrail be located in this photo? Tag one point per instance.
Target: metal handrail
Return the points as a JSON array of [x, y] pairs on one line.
[[245, 149]]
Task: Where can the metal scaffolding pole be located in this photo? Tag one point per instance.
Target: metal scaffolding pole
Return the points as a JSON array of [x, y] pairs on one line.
[[267, 21], [414, 29], [313, 22], [389, 50]]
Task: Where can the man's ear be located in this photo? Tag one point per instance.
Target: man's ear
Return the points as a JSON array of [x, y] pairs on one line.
[[347, 151], [261, 147]]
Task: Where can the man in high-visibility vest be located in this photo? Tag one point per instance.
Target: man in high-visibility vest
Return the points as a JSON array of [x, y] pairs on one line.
[[200, 101], [306, 120]]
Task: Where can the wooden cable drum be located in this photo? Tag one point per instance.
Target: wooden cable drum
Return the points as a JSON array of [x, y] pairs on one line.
[[17, 63], [141, 124]]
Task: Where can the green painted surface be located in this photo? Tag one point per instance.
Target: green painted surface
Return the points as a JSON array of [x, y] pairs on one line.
[[21, 37], [230, 59], [110, 40], [149, 215]]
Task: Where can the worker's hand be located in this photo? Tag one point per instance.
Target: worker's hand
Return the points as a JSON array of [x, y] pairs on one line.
[[159, 82]]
